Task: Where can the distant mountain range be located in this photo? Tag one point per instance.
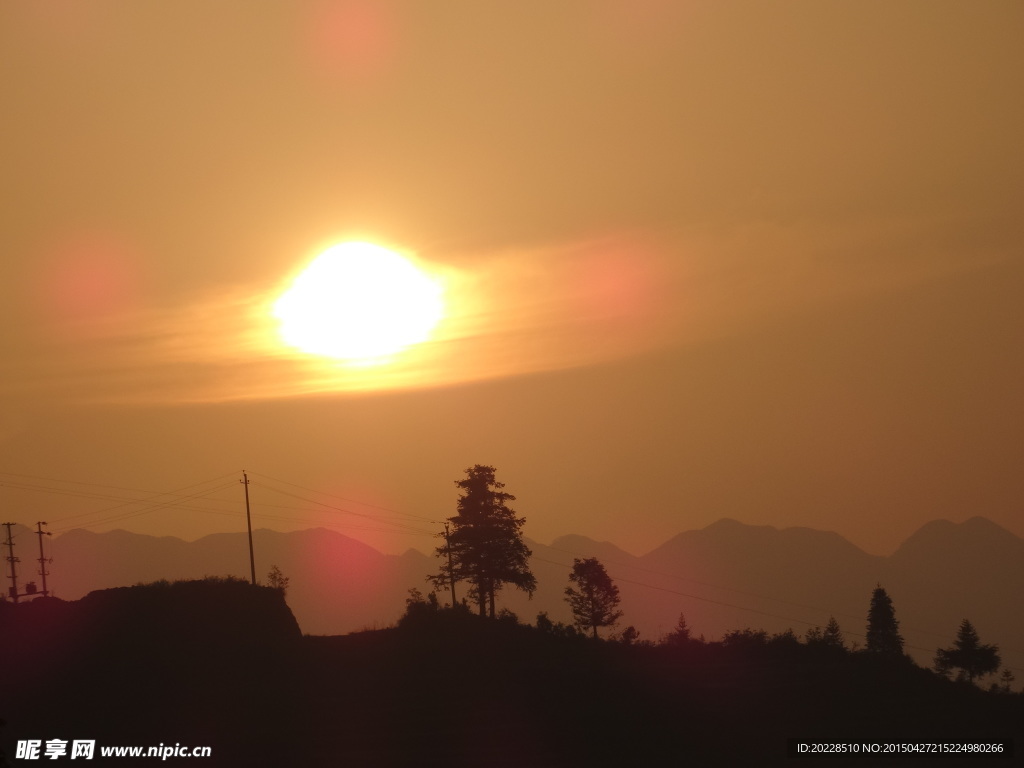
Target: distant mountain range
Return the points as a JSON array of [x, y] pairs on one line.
[[726, 576]]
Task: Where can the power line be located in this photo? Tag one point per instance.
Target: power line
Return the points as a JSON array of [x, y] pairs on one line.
[[694, 597], [354, 501], [114, 487], [176, 499], [755, 610], [151, 507], [124, 502], [676, 577], [401, 525]]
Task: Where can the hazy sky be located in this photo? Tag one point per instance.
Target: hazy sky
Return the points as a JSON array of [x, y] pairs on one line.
[[704, 259]]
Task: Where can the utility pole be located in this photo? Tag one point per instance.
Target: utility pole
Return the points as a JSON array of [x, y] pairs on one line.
[[12, 560], [42, 559], [448, 547], [248, 521]]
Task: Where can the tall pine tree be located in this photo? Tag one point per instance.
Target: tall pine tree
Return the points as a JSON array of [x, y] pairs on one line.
[[833, 636], [883, 630], [485, 547]]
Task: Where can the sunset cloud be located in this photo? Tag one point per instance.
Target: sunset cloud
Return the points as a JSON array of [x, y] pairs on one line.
[[515, 312]]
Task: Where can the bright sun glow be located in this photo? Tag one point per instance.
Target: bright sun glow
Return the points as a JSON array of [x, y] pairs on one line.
[[359, 302]]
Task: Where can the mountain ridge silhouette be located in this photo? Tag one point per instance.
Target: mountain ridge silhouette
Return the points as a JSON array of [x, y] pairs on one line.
[[725, 576]]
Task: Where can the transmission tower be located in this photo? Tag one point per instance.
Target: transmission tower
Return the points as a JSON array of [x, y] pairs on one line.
[[13, 591], [43, 560]]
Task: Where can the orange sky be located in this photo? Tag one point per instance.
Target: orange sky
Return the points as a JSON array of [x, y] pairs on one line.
[[706, 259]]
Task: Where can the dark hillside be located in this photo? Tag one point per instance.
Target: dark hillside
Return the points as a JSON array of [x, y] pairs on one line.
[[456, 690], [200, 663], [450, 688], [205, 619]]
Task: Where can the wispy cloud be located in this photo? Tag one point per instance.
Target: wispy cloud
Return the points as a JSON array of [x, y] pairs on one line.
[[513, 312]]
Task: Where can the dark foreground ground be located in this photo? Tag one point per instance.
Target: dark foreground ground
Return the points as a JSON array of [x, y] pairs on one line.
[[231, 671]]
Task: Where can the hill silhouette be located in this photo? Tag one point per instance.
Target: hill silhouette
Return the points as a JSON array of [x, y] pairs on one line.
[[449, 688], [339, 584], [145, 665]]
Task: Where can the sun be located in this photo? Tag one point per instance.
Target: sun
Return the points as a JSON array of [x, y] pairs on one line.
[[359, 302]]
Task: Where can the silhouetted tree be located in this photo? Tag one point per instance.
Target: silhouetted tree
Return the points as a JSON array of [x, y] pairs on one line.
[[594, 599], [968, 655], [630, 636], [679, 636], [883, 630], [745, 638], [558, 629], [1005, 681], [419, 609], [508, 617], [486, 544], [277, 580], [830, 637], [786, 637]]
